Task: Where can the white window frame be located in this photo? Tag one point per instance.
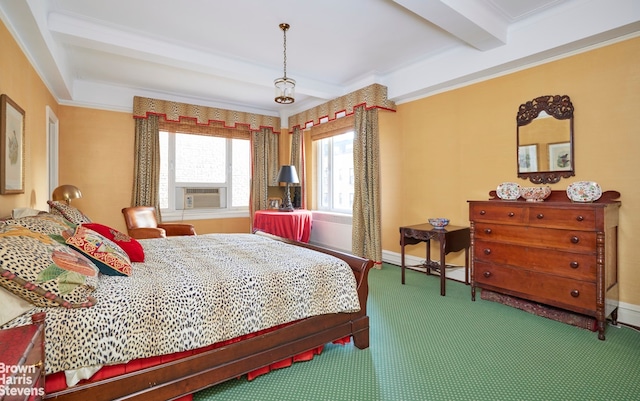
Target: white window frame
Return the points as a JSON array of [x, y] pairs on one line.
[[173, 214]]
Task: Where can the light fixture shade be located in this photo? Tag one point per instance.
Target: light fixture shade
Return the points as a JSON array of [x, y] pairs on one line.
[[285, 90], [288, 174], [66, 193], [285, 87]]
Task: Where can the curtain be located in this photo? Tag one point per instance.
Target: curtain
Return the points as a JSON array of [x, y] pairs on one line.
[[297, 160], [366, 232], [265, 165], [146, 167]]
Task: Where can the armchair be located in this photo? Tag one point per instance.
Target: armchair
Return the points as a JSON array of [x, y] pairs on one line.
[[141, 223]]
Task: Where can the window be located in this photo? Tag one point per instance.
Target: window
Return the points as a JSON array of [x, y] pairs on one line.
[[203, 175], [334, 164]]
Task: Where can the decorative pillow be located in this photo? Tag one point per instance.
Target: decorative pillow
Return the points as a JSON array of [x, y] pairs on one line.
[[68, 212], [130, 245], [44, 272], [106, 254], [44, 223]]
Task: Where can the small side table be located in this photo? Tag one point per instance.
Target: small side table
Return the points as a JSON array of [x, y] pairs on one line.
[[294, 225], [451, 239]]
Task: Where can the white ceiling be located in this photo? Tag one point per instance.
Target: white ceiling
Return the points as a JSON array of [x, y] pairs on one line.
[[100, 53]]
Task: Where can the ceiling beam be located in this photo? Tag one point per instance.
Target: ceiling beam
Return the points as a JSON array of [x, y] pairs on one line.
[[469, 21]]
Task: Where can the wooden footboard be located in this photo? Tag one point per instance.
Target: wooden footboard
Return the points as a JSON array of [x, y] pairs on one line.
[[196, 372]]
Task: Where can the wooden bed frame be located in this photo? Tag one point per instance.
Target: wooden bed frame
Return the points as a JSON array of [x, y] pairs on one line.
[[185, 376]]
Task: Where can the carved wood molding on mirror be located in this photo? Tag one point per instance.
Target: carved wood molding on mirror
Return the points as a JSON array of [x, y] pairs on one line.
[[545, 139]]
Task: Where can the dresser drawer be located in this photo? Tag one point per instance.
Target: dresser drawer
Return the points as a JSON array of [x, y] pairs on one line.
[[560, 291], [578, 266], [507, 213], [570, 219], [567, 240]]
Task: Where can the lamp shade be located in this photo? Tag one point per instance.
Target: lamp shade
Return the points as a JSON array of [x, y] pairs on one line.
[[288, 175], [66, 193]]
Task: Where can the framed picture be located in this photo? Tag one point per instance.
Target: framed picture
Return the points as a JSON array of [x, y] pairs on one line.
[[11, 147], [559, 156], [528, 158], [274, 203]]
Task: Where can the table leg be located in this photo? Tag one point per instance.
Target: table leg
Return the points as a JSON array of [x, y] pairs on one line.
[[466, 266], [402, 255], [427, 262], [443, 266]]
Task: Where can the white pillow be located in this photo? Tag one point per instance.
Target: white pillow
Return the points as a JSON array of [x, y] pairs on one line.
[[24, 212], [12, 306]]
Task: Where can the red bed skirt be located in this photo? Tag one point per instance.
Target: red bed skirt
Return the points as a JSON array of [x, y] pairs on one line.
[[57, 382]]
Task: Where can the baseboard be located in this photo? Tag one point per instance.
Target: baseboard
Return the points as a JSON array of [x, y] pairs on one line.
[[628, 314]]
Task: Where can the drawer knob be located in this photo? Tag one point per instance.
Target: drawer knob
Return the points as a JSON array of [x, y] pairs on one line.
[[540, 216], [487, 231], [575, 240], [487, 251], [487, 274], [511, 214], [482, 212], [38, 365], [580, 218], [575, 293], [574, 264]]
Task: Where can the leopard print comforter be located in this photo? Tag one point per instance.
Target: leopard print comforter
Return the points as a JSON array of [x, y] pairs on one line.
[[193, 291]]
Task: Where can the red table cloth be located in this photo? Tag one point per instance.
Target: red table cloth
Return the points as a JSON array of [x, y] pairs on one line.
[[294, 225]]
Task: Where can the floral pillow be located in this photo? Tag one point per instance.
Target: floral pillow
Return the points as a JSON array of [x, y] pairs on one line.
[[106, 254], [68, 212], [37, 268], [130, 245]]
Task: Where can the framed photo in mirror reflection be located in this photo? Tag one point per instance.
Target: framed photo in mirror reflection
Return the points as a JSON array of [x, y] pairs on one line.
[[559, 156], [528, 158]]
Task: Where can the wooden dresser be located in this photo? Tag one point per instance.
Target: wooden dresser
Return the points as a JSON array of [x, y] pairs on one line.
[[555, 252], [22, 361]]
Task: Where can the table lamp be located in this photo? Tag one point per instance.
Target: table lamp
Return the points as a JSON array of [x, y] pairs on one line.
[[288, 175], [66, 193]]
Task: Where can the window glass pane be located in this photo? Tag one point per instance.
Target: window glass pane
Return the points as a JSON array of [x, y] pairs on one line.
[[164, 170], [200, 159], [241, 172], [342, 168], [335, 171]]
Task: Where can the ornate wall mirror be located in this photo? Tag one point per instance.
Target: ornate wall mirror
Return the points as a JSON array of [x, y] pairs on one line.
[[545, 139]]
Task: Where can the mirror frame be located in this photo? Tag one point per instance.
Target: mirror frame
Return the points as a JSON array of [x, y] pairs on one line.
[[558, 107]]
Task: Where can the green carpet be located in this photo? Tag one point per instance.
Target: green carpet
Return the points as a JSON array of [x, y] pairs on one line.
[[428, 347]]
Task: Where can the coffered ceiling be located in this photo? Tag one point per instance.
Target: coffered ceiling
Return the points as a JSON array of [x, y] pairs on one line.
[[100, 53]]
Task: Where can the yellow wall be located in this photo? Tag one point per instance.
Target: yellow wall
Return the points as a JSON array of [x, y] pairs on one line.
[[437, 152], [96, 149], [459, 145], [19, 81]]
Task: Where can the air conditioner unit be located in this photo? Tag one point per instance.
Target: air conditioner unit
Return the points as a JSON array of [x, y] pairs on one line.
[[200, 198]]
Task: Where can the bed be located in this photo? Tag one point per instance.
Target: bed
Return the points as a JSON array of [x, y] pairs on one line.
[[277, 298]]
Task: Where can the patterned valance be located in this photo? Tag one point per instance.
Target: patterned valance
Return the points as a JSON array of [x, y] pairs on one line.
[[372, 96], [202, 115]]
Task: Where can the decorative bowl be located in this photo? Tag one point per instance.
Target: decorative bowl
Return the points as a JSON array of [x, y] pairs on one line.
[[584, 191], [438, 222], [535, 194], [508, 191]]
